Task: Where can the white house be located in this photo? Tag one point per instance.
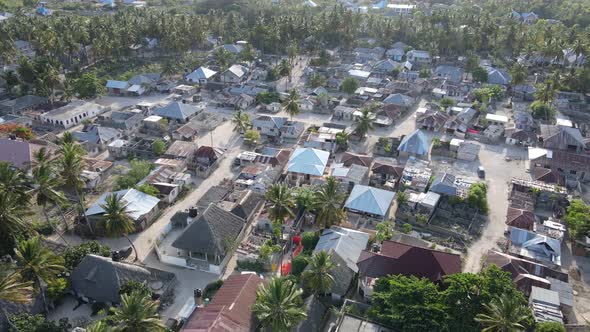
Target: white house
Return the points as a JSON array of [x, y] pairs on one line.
[[200, 75], [72, 114], [234, 74]]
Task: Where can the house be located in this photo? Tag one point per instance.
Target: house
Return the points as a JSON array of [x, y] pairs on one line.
[[204, 240], [200, 75], [519, 218], [452, 73], [573, 59], [167, 192], [21, 104], [496, 119], [205, 157], [234, 49], [395, 54], [349, 158], [571, 165], [316, 312], [364, 55], [72, 114], [140, 207], [400, 100], [307, 162], [548, 176], [497, 76], [257, 177], [184, 90], [386, 66], [527, 18], [269, 125], [306, 104], [561, 138], [416, 174], [400, 8], [345, 245], [387, 114], [545, 305], [434, 121], [416, 144], [417, 56], [444, 184], [358, 74], [21, 154], [386, 174], [100, 279], [404, 259], [117, 87], [371, 201], [177, 111], [187, 132], [520, 137], [350, 176], [229, 309], [493, 132], [241, 102], [243, 203], [128, 122], [323, 139], [523, 120], [344, 113], [96, 138], [181, 150], [167, 172], [533, 246], [234, 74], [524, 92]]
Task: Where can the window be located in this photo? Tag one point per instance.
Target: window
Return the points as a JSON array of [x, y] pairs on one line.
[[573, 172]]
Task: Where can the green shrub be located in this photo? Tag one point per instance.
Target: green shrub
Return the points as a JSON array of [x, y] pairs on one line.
[[131, 286], [74, 255], [309, 241], [298, 264], [42, 228], [255, 266], [212, 288]]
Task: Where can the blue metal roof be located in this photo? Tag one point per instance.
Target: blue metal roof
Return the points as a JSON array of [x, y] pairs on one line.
[[370, 200]]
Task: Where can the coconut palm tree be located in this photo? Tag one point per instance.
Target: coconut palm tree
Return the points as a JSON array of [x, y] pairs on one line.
[[70, 170], [13, 289], [223, 58], [285, 71], [305, 199], [279, 306], [318, 277], [282, 201], [116, 219], [241, 122], [545, 92], [329, 200], [365, 122], [12, 223], [503, 314], [46, 181], [342, 140], [37, 263], [137, 312], [291, 103], [14, 181], [98, 326], [519, 74]]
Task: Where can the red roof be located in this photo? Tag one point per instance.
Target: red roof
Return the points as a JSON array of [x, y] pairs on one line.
[[230, 309], [399, 258]]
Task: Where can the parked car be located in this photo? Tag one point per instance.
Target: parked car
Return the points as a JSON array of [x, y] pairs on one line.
[[481, 172]]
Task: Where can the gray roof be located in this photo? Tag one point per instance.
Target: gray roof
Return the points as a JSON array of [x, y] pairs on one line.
[[233, 48], [316, 311], [137, 203], [498, 76], [346, 243], [100, 279], [415, 143], [399, 99], [176, 110], [21, 103], [97, 135], [453, 73], [247, 204], [369, 200], [444, 184], [147, 78], [209, 232]]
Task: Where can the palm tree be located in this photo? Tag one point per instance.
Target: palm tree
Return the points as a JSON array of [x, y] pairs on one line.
[[223, 58], [14, 181], [503, 314], [545, 92], [342, 140], [285, 70], [401, 198], [365, 122], [37, 263], [282, 200], [116, 219], [98, 326], [278, 305], [329, 200], [136, 313], [67, 138], [12, 223], [70, 167], [291, 104], [14, 290], [319, 276], [519, 74], [46, 192], [241, 122], [305, 199]]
